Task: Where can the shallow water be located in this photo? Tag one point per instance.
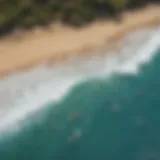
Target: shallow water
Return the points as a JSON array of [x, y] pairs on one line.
[[112, 113]]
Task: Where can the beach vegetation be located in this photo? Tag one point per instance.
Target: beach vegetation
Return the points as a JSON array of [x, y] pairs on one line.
[[29, 13]]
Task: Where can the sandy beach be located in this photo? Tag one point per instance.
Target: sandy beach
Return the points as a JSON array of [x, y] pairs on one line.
[[58, 42]]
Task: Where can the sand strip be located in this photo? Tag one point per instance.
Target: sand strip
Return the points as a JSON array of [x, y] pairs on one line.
[[60, 42]]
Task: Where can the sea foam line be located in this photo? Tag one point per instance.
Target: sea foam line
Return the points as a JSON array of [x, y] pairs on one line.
[[26, 93], [143, 55]]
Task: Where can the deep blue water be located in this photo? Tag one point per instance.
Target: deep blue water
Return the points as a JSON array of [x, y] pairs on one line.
[[116, 118]]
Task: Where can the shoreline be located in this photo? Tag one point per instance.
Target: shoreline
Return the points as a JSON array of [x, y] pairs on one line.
[[60, 43]]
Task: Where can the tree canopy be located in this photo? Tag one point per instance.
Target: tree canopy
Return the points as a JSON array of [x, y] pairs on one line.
[[28, 13]]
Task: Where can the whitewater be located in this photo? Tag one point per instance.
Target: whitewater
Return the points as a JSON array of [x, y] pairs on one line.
[[26, 93]]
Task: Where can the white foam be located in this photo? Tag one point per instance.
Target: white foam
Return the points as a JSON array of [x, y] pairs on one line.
[[143, 55], [23, 94], [33, 100]]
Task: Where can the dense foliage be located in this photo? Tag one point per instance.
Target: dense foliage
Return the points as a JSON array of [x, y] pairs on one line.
[[28, 13]]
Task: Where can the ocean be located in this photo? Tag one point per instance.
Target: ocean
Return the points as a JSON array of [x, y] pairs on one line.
[[101, 107]]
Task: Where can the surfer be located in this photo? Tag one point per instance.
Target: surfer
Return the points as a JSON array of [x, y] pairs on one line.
[[76, 134], [115, 108], [74, 116]]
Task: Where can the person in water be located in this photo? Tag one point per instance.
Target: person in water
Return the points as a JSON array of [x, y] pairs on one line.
[[76, 134], [74, 116]]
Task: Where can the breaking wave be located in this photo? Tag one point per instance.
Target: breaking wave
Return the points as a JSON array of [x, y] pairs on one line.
[[23, 94]]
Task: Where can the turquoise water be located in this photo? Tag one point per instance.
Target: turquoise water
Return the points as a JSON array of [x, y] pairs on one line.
[[114, 118]]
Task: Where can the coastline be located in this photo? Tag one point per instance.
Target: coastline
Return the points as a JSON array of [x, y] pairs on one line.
[[59, 42]]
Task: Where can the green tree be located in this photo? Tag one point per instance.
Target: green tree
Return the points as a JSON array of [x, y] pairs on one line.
[[118, 5], [28, 13]]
